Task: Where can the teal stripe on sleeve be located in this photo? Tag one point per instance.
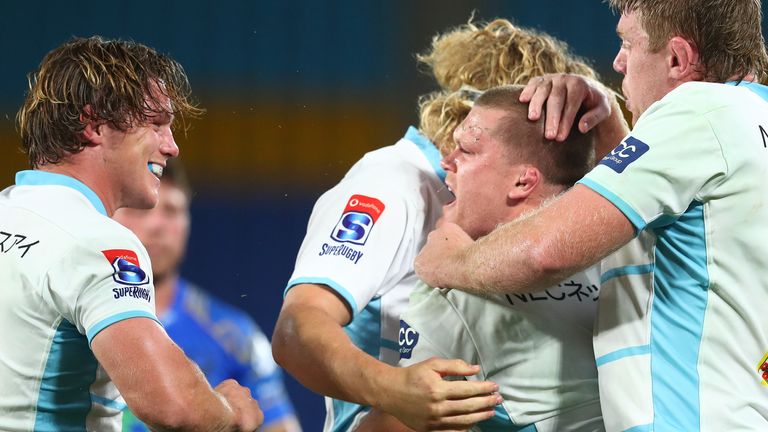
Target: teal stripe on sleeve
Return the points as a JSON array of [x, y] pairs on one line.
[[634, 217], [346, 295], [106, 322]]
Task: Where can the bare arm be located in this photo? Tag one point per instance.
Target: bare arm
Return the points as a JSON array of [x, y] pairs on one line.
[[163, 388], [379, 421], [565, 95], [310, 343], [571, 233]]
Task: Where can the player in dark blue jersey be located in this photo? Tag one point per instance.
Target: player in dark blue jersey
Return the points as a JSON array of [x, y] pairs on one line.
[[223, 340]]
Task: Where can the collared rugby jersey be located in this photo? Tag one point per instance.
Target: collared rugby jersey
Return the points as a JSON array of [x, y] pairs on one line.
[[67, 271], [361, 241], [682, 324], [537, 347]]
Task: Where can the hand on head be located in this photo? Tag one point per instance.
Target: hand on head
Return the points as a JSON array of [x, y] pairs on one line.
[[565, 95]]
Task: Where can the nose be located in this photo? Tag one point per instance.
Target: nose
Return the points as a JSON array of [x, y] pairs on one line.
[[168, 147], [620, 63], [448, 163]]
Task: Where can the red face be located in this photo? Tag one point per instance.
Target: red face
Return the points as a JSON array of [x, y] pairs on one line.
[[478, 174], [646, 78], [131, 155]]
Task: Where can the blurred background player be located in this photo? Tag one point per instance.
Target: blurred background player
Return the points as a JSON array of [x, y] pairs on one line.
[[223, 340], [81, 339], [354, 270]]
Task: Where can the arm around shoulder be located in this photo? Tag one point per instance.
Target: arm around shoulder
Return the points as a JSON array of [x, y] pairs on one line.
[[568, 235]]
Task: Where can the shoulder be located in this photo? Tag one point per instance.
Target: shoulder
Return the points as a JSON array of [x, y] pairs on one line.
[[79, 231], [698, 98]]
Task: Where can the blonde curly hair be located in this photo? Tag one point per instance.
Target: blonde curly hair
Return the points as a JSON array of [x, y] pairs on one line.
[[486, 55], [480, 56], [440, 112]]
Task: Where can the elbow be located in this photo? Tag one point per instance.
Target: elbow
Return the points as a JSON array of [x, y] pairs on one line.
[[547, 265], [283, 334]]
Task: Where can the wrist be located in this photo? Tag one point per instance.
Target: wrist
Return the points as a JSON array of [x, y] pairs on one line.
[[380, 379]]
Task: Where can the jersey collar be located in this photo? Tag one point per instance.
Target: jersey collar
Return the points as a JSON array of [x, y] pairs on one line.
[[44, 178], [758, 89], [428, 148]]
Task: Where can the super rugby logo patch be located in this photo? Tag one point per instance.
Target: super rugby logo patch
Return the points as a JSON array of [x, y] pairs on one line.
[[624, 154], [357, 221], [125, 266]]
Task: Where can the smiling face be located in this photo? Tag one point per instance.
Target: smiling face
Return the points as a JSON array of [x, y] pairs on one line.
[[646, 77], [479, 173], [131, 157]]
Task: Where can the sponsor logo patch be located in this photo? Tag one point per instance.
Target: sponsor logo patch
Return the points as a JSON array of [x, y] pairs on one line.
[[125, 264], [359, 216], [762, 369], [407, 339], [624, 154]]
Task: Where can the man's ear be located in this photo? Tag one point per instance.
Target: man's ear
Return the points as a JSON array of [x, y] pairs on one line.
[[92, 132], [528, 177], [683, 60]]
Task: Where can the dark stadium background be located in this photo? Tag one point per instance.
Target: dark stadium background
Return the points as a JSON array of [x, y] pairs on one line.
[[296, 92]]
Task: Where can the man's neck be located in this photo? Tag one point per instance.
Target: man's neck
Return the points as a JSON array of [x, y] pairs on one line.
[[165, 291], [89, 177]]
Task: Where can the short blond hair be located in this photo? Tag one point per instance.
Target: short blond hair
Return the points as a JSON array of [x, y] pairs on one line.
[[726, 33]]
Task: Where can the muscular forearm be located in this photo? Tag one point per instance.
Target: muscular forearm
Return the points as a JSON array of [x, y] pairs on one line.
[[318, 353], [181, 400], [163, 388], [569, 234]]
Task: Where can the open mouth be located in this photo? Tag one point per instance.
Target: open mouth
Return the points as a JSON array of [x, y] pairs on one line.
[[453, 195], [155, 169]]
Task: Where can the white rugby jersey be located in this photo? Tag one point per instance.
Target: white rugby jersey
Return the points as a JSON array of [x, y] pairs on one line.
[[67, 271], [537, 347], [361, 241], [682, 325]]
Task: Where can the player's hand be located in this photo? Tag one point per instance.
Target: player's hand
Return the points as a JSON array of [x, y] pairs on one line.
[[565, 95], [437, 263], [248, 416], [420, 398]]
